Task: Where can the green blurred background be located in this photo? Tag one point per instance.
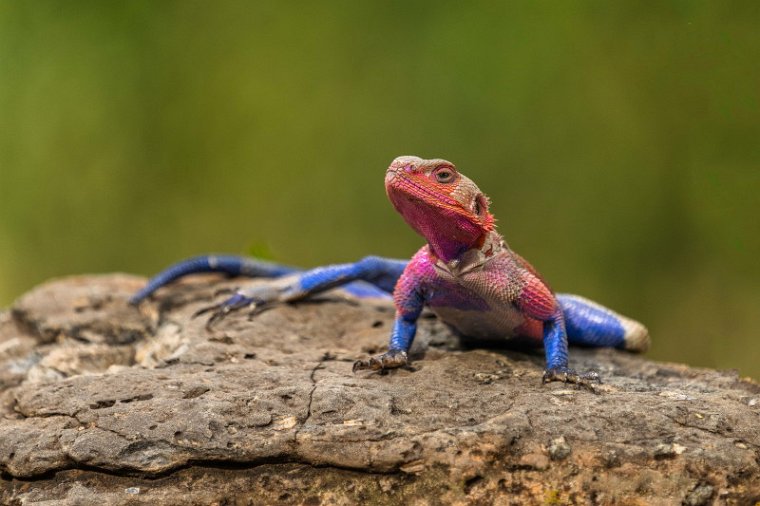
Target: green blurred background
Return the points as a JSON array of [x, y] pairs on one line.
[[619, 141]]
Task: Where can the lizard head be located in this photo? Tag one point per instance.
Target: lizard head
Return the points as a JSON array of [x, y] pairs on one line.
[[442, 205]]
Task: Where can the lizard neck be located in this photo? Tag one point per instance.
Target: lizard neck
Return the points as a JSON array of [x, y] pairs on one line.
[[448, 249], [471, 258]]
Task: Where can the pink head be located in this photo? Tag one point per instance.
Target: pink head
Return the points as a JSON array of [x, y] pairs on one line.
[[441, 204]]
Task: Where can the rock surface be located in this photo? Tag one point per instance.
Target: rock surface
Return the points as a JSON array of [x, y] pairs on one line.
[[103, 403]]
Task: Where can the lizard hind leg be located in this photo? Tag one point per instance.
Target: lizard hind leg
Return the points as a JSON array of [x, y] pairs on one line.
[[369, 277], [591, 324]]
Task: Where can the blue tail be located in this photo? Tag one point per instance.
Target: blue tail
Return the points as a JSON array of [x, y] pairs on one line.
[[591, 324]]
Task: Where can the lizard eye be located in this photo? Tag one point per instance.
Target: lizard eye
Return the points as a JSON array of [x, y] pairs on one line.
[[444, 175]]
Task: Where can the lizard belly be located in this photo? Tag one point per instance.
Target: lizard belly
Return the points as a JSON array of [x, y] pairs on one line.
[[489, 324]]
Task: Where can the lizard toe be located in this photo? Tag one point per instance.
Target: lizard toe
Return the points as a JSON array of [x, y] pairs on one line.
[[387, 360], [567, 375], [221, 310]]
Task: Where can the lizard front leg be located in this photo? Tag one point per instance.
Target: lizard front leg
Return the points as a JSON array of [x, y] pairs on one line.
[[537, 301], [555, 348], [408, 296]]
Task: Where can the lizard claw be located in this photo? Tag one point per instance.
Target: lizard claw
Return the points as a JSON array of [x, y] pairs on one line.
[[388, 360], [235, 303], [259, 298], [567, 375]]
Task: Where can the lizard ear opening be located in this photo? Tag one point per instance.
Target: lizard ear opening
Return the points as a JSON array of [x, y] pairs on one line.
[[480, 207]]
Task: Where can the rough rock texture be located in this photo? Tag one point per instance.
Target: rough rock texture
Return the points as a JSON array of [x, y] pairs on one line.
[[103, 403]]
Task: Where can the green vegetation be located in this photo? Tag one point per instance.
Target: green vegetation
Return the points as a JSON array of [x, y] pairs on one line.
[[619, 142]]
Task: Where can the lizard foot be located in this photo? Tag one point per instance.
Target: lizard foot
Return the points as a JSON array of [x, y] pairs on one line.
[[235, 303], [388, 360], [566, 375]]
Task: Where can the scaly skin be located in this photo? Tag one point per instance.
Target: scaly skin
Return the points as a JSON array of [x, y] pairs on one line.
[[466, 274]]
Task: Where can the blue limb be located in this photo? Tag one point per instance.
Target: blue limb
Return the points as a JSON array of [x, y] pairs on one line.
[[404, 330], [555, 343], [226, 264], [590, 324], [555, 347], [379, 272]]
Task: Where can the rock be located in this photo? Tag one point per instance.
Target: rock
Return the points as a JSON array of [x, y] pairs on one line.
[[699, 496], [104, 403], [558, 449]]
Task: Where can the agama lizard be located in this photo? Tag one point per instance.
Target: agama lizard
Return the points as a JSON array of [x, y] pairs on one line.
[[466, 274]]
